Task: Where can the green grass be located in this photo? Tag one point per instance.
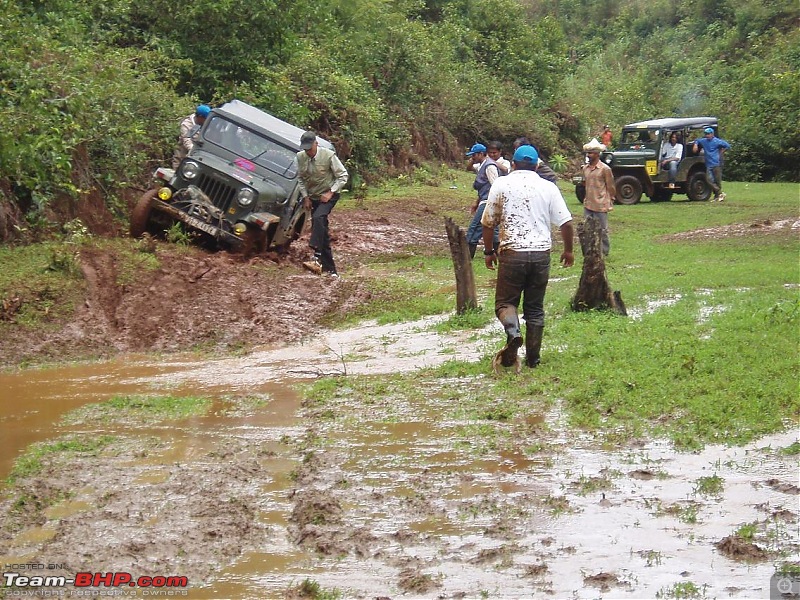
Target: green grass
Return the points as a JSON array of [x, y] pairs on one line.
[[33, 460], [713, 485], [718, 363], [139, 409]]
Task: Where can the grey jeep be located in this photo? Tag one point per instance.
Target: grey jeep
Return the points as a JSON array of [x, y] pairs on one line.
[[635, 161], [237, 189]]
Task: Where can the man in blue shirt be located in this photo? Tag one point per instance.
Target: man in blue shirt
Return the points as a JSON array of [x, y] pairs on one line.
[[713, 148]]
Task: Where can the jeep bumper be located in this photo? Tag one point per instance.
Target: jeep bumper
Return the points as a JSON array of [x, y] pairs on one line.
[[217, 233]]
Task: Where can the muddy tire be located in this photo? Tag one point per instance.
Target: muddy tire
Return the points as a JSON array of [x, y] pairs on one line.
[[254, 241], [140, 216], [580, 193], [697, 187], [629, 189]]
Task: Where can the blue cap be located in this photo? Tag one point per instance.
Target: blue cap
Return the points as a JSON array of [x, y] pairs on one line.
[[476, 148], [203, 110], [708, 130], [526, 154]]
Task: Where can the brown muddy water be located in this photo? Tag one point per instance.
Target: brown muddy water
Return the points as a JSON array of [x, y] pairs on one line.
[[402, 512]]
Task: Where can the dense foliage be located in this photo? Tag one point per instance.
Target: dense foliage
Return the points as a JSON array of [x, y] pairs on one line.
[[93, 90]]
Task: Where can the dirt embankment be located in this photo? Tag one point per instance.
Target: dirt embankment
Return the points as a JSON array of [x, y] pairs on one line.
[[214, 301]]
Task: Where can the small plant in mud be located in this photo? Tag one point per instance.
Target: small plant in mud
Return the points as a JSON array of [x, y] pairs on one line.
[[709, 486], [311, 590], [176, 234], [685, 589], [651, 557], [748, 531]]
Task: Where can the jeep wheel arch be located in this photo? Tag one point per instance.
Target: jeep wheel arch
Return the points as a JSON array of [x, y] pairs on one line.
[[629, 189], [140, 216], [697, 186]]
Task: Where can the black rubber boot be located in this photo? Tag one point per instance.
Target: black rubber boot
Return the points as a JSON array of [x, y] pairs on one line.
[[472, 249], [533, 344], [508, 355]]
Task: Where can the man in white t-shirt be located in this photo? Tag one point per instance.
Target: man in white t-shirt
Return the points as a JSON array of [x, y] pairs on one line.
[[525, 206], [671, 154]]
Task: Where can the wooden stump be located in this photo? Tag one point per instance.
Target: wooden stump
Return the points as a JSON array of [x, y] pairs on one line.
[[466, 296], [593, 290]]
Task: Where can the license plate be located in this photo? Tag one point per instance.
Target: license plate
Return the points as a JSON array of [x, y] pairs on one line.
[[198, 224]]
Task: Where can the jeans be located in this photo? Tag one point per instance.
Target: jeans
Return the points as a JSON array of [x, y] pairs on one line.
[[320, 238], [672, 167], [603, 218], [714, 177], [475, 231], [521, 275]]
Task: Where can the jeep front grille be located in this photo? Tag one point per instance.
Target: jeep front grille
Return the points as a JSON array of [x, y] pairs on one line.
[[221, 193]]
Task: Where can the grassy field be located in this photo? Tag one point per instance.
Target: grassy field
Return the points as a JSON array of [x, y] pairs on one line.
[[708, 354]]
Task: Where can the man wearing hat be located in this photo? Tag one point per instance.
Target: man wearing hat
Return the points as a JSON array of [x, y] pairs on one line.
[[322, 175], [189, 126], [713, 148], [524, 206], [488, 172], [600, 190]]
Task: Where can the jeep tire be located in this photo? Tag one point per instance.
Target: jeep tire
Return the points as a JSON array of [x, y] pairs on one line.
[[697, 187], [629, 189], [140, 216]]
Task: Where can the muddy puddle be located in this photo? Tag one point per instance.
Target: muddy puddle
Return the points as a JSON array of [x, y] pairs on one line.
[[390, 506]]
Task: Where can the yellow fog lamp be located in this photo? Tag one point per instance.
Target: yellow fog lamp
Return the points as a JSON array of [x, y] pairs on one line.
[[239, 229], [165, 193]]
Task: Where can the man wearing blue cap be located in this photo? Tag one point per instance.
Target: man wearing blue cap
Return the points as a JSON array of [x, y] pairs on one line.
[[189, 126], [714, 149], [525, 206], [488, 171]]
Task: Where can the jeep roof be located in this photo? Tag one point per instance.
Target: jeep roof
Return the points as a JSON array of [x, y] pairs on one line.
[[674, 123], [266, 124]]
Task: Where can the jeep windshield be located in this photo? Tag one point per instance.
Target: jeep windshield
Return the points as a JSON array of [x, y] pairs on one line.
[[252, 146], [639, 136]]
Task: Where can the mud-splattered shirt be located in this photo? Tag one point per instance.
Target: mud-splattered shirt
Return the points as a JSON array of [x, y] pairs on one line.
[[525, 206]]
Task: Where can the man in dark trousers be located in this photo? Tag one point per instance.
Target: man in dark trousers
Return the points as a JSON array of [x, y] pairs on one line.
[[525, 206], [713, 148], [322, 176], [488, 170]]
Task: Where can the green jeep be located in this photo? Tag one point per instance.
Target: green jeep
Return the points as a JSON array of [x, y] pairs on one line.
[[237, 189], [636, 162]]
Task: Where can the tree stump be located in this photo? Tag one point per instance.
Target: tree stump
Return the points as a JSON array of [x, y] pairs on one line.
[[466, 296], [593, 290]]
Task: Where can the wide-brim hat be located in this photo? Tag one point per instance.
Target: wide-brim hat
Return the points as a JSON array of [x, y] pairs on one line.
[[594, 146]]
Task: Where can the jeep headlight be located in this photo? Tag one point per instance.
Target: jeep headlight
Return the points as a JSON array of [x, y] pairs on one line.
[[246, 197], [609, 158], [190, 169]]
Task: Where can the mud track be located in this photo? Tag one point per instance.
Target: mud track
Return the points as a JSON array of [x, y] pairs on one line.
[[216, 301]]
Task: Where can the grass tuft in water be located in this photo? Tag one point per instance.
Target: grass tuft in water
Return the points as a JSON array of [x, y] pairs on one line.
[[139, 409]]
